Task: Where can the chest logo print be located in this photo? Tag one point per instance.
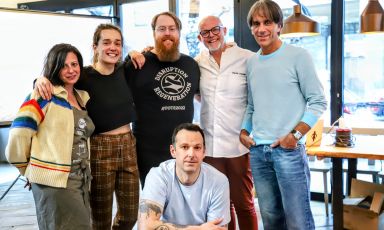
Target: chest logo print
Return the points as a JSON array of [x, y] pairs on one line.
[[172, 84]]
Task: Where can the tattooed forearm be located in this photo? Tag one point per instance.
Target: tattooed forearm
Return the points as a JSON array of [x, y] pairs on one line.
[[146, 207], [162, 227], [169, 226], [150, 215]]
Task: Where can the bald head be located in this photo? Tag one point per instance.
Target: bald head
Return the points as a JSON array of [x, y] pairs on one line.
[[210, 19]]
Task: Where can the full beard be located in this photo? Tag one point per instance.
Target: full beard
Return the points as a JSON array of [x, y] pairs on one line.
[[167, 54]]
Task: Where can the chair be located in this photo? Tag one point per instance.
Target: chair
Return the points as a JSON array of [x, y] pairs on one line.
[[323, 167], [366, 168], [381, 176]]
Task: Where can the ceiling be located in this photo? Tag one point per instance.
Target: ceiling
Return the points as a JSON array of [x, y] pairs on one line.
[[55, 5], [352, 6], [14, 3]]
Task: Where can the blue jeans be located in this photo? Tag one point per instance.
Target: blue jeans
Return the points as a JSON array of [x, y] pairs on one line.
[[282, 182]]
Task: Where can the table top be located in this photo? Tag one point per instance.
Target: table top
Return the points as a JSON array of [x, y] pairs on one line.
[[369, 147]]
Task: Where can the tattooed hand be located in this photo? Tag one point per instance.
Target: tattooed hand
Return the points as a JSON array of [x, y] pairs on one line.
[[149, 219]]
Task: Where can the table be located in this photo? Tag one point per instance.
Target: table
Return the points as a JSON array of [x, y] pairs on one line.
[[369, 147]]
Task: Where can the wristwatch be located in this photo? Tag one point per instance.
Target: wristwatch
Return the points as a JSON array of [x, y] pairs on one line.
[[296, 134]]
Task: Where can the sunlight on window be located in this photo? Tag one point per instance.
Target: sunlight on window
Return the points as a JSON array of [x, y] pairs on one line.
[[23, 53], [364, 72], [192, 11], [136, 22]]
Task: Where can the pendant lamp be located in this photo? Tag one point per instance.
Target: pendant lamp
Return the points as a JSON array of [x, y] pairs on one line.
[[299, 25], [372, 18]]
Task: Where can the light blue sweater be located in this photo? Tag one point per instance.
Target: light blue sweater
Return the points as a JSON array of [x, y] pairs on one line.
[[283, 89]]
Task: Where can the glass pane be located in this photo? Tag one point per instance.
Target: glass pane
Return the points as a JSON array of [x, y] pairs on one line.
[[98, 11], [364, 71], [136, 22], [191, 11], [317, 46]]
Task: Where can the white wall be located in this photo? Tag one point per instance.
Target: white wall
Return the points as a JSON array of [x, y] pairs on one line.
[[26, 38]]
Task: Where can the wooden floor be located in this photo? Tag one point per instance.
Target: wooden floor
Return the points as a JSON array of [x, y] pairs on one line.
[[17, 209]]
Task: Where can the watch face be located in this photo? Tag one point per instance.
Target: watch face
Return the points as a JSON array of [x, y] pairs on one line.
[[297, 134]]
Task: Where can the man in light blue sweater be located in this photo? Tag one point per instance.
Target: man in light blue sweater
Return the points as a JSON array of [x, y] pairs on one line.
[[285, 99]]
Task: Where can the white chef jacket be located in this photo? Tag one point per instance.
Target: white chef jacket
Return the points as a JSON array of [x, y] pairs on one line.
[[223, 92]]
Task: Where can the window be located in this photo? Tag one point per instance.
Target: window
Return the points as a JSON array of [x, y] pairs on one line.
[[30, 35], [136, 22], [363, 71], [192, 11], [97, 10]]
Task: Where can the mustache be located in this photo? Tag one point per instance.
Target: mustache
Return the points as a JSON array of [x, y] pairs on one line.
[[168, 37], [167, 53]]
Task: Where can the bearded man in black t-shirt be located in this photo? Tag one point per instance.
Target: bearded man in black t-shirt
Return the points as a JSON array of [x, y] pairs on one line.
[[163, 91]]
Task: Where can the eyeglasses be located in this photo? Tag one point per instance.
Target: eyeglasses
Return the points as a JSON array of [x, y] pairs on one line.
[[163, 29], [215, 30]]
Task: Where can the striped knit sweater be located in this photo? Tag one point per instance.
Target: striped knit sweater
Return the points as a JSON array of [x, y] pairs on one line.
[[41, 138]]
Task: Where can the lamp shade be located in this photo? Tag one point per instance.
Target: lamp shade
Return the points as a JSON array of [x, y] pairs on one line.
[[372, 18], [299, 25]]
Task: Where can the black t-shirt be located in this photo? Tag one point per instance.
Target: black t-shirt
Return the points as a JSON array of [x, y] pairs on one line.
[[111, 104], [163, 93]]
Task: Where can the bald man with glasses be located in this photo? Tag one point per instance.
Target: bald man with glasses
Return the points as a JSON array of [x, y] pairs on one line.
[[223, 89]]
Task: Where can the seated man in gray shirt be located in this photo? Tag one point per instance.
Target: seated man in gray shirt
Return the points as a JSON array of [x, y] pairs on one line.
[[185, 192]]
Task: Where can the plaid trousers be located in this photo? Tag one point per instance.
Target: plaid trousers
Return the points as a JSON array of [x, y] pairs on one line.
[[114, 169]]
